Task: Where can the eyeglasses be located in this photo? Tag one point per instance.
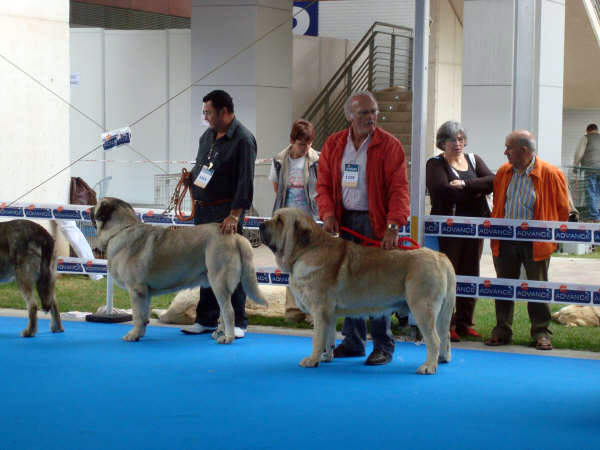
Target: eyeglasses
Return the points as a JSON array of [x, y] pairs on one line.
[[458, 140], [367, 112]]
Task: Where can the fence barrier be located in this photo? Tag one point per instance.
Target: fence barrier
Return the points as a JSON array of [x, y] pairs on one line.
[[450, 226]]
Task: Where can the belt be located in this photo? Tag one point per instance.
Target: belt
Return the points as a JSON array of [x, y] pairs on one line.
[[353, 211], [202, 204]]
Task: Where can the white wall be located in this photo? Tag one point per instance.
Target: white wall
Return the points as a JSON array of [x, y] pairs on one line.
[[34, 141], [124, 75], [350, 19]]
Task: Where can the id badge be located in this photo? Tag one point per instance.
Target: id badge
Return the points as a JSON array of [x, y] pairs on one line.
[[350, 175], [204, 177]]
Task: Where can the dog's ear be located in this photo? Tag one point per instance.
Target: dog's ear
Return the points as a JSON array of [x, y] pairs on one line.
[[104, 212], [302, 234]]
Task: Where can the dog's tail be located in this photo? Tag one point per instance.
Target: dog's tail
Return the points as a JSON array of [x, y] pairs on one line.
[[47, 278], [248, 278]]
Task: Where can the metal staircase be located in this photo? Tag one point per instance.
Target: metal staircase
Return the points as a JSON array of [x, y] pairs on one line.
[[381, 63]]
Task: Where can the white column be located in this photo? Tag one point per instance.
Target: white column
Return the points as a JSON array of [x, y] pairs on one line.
[[259, 80], [512, 74]]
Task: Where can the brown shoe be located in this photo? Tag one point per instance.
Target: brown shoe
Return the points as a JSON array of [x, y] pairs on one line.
[[495, 341], [543, 343], [341, 351], [378, 358]]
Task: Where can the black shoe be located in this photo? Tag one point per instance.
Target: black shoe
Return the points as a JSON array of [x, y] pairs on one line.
[[378, 358], [341, 351]]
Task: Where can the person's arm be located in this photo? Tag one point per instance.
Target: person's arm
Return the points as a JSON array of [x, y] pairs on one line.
[[273, 178], [484, 183], [562, 196], [579, 151], [324, 188], [244, 191]]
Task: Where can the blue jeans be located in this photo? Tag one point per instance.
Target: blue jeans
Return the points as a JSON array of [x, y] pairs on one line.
[[355, 329], [592, 190]]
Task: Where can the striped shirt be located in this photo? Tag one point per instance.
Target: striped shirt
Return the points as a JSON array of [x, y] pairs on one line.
[[520, 195]]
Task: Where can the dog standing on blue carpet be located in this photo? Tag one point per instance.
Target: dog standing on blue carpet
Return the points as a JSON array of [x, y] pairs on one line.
[[150, 260], [331, 277], [27, 256]]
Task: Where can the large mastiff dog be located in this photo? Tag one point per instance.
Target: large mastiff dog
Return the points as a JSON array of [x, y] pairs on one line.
[[27, 256], [331, 277], [151, 260]]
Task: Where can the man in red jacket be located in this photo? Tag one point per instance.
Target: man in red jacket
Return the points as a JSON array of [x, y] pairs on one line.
[[362, 185]]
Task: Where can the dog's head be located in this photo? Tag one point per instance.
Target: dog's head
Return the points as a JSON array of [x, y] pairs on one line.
[[287, 232], [110, 215]]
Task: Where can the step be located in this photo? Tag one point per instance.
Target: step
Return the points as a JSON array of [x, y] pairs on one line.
[[399, 95], [394, 106], [393, 116], [396, 127]]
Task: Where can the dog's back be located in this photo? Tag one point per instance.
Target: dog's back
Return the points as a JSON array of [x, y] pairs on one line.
[[27, 251]]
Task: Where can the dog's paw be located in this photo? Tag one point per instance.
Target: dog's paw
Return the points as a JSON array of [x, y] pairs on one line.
[[56, 329], [224, 339], [427, 369], [131, 337], [307, 362], [28, 333]]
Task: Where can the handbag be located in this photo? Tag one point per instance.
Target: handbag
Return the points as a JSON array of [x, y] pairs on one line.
[[81, 193]]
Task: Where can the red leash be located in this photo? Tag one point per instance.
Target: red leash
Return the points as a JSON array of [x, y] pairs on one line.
[[368, 242]]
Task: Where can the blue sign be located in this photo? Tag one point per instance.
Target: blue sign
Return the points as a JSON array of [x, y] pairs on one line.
[[252, 223], [596, 298], [534, 293], [69, 267], [432, 227], [306, 18], [459, 229], [262, 277], [496, 291], [157, 218], [466, 289], [282, 278], [11, 212], [570, 235], [38, 213], [534, 233], [495, 231], [572, 296], [95, 268], [67, 214]]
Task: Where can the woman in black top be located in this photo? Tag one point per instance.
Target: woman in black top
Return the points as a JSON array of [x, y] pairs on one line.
[[458, 184]]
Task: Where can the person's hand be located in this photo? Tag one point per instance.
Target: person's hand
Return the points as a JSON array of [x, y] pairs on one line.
[[229, 225], [330, 225], [457, 184], [390, 239]]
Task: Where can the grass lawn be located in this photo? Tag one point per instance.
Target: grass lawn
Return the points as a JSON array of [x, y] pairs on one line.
[[77, 293]]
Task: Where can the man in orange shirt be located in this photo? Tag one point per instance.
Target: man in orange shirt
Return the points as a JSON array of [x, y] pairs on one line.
[[526, 188]]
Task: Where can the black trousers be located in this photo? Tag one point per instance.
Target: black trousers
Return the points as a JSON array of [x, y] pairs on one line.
[[508, 265], [464, 254], [208, 311], [355, 328]]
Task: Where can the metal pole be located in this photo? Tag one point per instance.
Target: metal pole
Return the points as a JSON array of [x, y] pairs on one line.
[[419, 120], [392, 58], [109, 293]]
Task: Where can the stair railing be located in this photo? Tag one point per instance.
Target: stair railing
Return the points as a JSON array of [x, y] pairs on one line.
[[381, 59]]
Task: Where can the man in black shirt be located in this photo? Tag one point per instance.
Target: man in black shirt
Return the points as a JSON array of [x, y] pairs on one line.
[[222, 184]]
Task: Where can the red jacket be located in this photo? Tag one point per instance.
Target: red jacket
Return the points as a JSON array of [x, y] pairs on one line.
[[387, 183], [552, 201]]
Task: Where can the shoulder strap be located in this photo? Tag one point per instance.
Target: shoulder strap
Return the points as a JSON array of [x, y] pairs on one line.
[[472, 159]]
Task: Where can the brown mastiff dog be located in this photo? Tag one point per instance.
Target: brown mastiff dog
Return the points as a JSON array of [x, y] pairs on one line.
[[331, 277], [150, 260], [27, 256]]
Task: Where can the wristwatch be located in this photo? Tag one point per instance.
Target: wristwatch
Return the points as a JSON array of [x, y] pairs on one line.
[[392, 226]]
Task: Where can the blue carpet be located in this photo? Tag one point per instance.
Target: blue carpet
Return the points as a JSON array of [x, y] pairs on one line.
[[87, 389]]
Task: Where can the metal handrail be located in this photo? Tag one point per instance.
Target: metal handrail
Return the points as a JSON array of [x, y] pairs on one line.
[[382, 58]]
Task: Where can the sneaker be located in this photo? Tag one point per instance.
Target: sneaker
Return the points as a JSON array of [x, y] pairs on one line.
[[238, 332], [197, 329]]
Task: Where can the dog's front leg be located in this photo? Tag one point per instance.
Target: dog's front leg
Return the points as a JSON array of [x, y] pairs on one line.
[[323, 322], [140, 305]]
